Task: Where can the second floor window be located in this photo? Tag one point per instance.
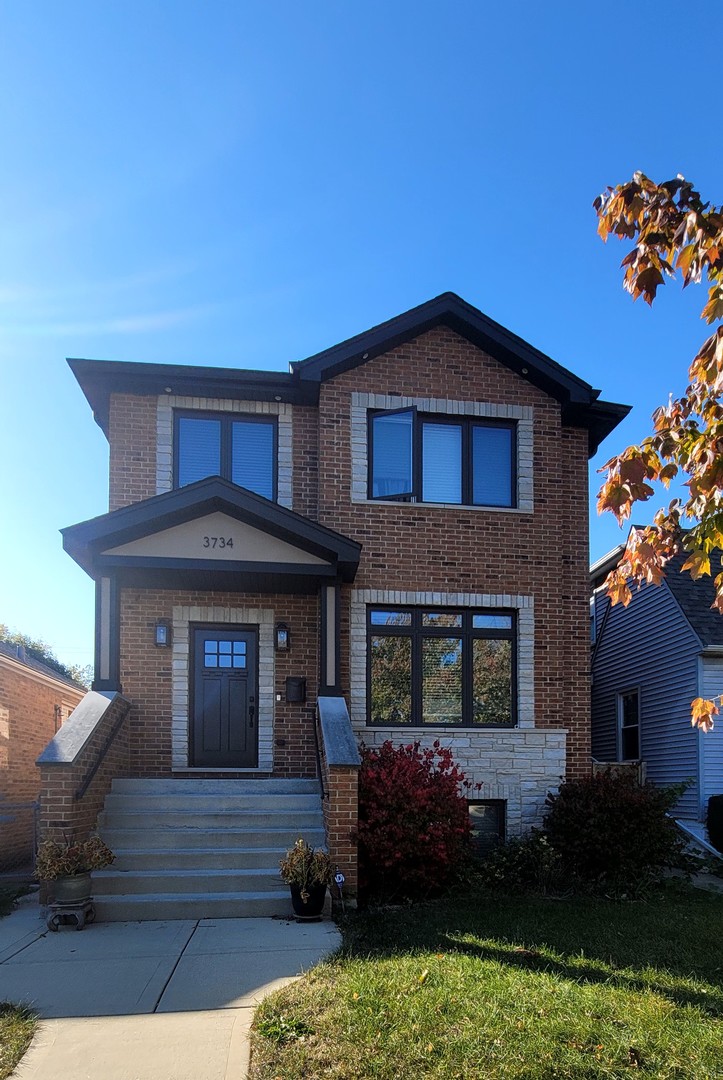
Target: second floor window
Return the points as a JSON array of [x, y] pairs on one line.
[[239, 448], [442, 459]]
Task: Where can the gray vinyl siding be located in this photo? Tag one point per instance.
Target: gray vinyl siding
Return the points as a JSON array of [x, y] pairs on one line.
[[649, 646], [711, 745]]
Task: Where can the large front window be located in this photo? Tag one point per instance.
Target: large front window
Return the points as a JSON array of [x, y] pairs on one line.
[[239, 448], [441, 459], [440, 667]]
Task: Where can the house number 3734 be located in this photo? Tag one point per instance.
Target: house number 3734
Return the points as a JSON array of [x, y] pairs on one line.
[[218, 541]]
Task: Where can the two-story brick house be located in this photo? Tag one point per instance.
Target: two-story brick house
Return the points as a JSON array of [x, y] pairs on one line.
[[401, 521]]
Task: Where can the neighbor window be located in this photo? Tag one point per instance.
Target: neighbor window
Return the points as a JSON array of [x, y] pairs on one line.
[[239, 448], [629, 726], [440, 667], [441, 459]]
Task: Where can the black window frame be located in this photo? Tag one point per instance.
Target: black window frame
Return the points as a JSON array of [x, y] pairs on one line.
[[467, 424], [227, 420], [620, 726], [417, 633], [500, 806]]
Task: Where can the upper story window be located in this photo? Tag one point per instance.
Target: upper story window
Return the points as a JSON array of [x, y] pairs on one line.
[[239, 448], [442, 459]]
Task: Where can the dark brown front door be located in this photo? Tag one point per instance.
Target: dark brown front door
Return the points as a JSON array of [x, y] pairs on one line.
[[225, 710]]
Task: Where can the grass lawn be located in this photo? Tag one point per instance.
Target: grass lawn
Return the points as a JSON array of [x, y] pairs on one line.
[[17, 1027], [501, 989], [17, 1024]]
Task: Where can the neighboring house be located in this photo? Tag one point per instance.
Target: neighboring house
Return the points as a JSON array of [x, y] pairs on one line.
[[367, 547], [35, 700], [649, 661]]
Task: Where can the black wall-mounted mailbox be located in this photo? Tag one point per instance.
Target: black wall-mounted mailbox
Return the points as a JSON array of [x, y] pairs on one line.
[[295, 689]]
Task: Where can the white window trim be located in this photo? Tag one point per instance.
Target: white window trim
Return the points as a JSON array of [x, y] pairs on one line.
[[523, 414], [263, 619], [523, 605], [164, 436], [619, 725]]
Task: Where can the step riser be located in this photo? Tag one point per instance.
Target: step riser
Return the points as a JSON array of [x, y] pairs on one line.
[[217, 859], [194, 849], [215, 787], [159, 803], [132, 885], [118, 909], [170, 839], [189, 819]]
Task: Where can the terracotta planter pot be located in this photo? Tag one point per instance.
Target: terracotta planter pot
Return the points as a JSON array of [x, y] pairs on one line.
[[313, 907], [75, 889]]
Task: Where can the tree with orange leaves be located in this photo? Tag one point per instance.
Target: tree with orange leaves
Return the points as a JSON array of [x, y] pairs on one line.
[[674, 231]]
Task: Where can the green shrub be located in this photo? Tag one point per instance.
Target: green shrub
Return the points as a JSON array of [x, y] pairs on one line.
[[523, 865], [715, 821], [612, 833]]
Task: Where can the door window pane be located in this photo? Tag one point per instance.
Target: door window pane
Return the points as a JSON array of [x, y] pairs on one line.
[[199, 449], [392, 454], [252, 457], [491, 681], [391, 679], [442, 463], [492, 466], [442, 680]]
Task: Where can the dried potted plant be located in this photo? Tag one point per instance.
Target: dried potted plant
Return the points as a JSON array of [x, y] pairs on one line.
[[69, 866], [307, 872]]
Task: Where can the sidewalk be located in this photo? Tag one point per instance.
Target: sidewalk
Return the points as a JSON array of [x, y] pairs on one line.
[[152, 1000]]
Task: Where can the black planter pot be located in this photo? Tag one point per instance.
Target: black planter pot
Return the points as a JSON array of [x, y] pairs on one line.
[[313, 907]]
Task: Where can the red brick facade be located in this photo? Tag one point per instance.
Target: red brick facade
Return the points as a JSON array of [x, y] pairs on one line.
[[542, 554], [32, 708]]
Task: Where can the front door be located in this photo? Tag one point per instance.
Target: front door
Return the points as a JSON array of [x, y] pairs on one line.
[[224, 720]]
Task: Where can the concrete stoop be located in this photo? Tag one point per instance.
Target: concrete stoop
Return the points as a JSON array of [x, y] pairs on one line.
[[202, 849]]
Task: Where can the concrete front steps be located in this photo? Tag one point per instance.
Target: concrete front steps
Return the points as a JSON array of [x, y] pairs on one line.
[[202, 849]]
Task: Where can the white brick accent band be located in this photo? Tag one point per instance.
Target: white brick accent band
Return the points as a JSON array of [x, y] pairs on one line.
[[523, 414], [263, 618], [520, 764], [164, 436]]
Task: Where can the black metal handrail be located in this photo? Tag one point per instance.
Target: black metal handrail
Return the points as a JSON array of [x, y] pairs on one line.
[[317, 748], [88, 778]]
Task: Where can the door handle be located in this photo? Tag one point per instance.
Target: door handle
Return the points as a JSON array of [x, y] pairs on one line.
[[252, 712]]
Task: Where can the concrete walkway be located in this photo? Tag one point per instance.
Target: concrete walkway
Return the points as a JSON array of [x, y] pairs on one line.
[[151, 1000]]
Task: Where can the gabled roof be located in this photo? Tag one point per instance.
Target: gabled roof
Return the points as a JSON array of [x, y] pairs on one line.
[[695, 599], [21, 655], [580, 401], [89, 542]]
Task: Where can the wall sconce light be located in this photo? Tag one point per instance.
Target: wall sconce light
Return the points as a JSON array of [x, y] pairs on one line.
[[282, 637], [163, 633]]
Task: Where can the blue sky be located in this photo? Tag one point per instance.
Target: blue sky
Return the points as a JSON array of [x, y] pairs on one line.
[[243, 184]]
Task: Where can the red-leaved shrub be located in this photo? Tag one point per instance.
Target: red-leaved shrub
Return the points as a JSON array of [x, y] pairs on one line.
[[414, 827]]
